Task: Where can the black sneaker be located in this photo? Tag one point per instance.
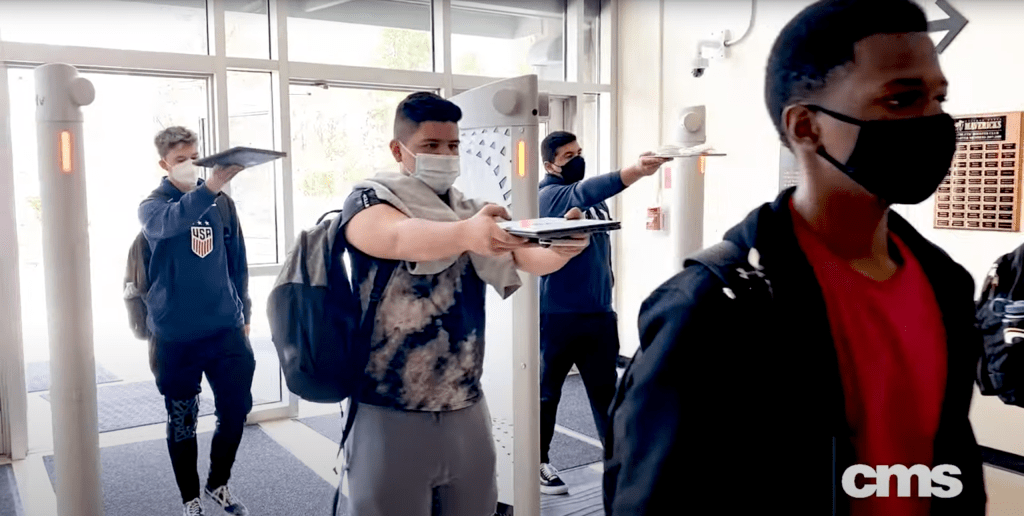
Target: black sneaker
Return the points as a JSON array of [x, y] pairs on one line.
[[550, 483]]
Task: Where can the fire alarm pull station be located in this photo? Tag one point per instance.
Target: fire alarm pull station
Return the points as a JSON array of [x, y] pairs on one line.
[[654, 219]]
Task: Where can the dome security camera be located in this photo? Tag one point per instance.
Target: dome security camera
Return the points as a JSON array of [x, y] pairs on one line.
[[699, 66]]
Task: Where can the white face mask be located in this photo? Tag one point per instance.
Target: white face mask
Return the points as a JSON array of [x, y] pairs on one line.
[[185, 174], [437, 171]]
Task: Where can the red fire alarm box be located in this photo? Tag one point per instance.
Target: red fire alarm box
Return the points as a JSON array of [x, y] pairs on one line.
[[654, 219]]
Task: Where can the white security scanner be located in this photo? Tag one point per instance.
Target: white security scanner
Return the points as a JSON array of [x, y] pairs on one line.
[[60, 94]]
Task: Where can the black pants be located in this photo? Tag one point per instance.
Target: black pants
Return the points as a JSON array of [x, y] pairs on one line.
[[591, 341], [229, 363]]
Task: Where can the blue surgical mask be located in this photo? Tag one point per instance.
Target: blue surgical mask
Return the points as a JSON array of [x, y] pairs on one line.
[[438, 171]]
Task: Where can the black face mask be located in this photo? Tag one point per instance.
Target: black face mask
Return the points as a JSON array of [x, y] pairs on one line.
[[901, 161], [573, 170]]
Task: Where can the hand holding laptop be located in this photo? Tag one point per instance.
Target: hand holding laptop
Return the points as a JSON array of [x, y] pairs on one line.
[[226, 165], [573, 245], [221, 176], [484, 235]]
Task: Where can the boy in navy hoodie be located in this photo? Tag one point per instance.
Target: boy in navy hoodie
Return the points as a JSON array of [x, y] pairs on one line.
[[199, 312], [577, 322]]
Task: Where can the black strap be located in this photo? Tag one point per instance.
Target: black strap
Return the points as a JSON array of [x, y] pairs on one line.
[[385, 270], [717, 258], [838, 116], [380, 281], [324, 216]]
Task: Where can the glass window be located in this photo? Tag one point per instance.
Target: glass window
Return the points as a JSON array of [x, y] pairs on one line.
[[178, 26], [251, 124], [509, 38], [247, 28], [374, 33], [590, 54], [267, 386], [339, 136]]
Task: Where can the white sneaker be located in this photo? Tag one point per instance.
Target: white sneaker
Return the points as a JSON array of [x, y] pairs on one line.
[[550, 483], [222, 496], [194, 508]]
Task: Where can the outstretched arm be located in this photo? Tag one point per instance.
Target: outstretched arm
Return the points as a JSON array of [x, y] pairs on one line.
[[384, 232]]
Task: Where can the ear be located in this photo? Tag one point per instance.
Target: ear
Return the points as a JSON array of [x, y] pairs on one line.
[[396, 150], [801, 126], [163, 164], [548, 166]]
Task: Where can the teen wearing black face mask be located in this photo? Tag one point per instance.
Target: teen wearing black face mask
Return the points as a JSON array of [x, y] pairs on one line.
[[578, 325], [884, 161], [839, 317]]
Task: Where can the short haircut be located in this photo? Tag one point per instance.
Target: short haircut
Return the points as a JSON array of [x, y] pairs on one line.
[[171, 137], [554, 141], [821, 39], [422, 107]]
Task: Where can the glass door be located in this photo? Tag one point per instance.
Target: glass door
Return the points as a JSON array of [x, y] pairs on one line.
[[122, 169]]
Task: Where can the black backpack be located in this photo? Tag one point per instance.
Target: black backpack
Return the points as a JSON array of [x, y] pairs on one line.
[[717, 258], [1001, 372], [321, 333], [724, 259], [136, 274], [316, 318]]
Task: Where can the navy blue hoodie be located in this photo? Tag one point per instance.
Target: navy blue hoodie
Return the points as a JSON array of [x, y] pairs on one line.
[[198, 273], [584, 285]]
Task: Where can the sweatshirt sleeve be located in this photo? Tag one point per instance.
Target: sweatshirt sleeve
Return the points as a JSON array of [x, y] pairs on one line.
[[238, 264], [556, 200], [161, 219]]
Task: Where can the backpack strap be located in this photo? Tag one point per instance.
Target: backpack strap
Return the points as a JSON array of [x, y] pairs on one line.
[[380, 281], [324, 216], [226, 207], [726, 260], [385, 270], [717, 258]]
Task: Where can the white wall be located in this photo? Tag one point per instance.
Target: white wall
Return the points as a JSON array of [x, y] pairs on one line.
[[979, 65]]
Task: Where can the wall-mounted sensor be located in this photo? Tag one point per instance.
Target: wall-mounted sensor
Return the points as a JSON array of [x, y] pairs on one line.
[[708, 50]]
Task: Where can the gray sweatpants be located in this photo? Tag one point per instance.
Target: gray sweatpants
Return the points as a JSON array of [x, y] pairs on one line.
[[394, 460]]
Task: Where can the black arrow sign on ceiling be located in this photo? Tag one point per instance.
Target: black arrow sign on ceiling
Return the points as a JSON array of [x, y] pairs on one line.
[[954, 24]]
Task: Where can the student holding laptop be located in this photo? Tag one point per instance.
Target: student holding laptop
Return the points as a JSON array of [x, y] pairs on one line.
[[578, 325]]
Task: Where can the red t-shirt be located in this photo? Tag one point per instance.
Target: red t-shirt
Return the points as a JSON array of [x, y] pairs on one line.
[[891, 344]]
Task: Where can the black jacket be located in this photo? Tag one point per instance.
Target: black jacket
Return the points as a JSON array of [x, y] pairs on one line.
[[728, 400]]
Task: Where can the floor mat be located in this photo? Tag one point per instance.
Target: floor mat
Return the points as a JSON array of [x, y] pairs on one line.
[[567, 452], [574, 408], [10, 500], [131, 405], [585, 496], [37, 376], [137, 478]]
